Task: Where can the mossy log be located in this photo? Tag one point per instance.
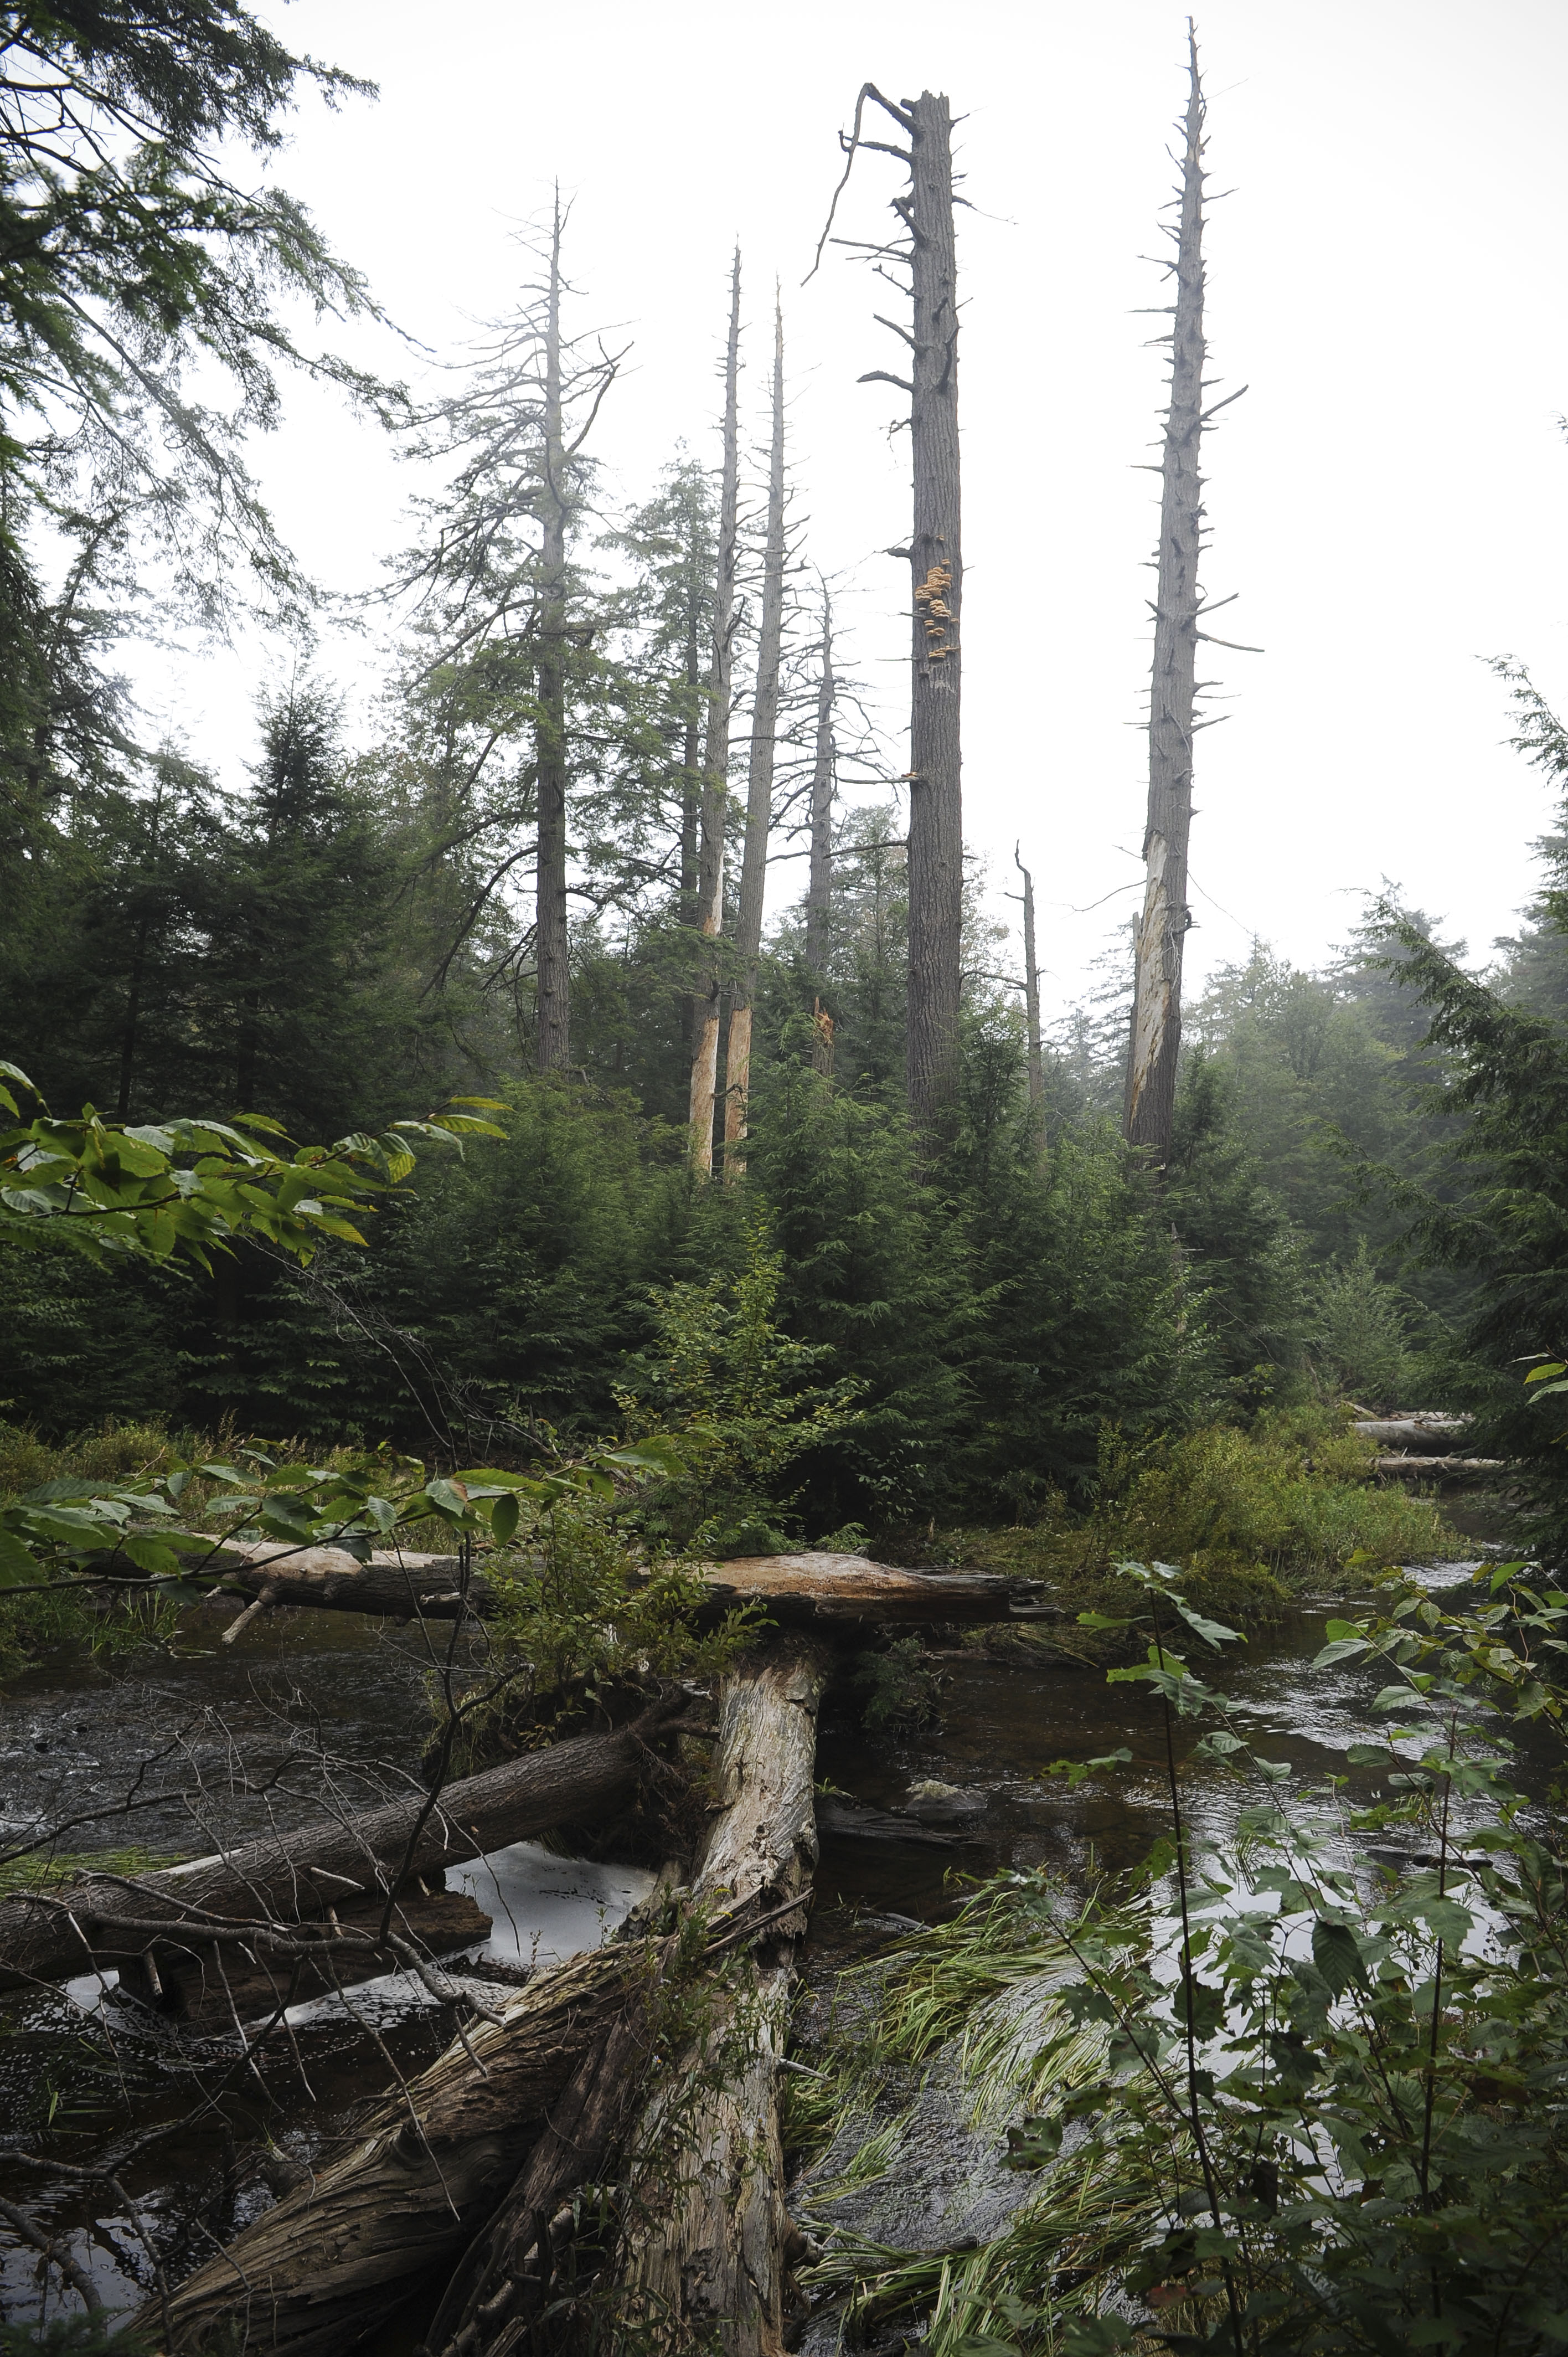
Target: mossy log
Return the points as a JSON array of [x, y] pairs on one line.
[[297, 1877]]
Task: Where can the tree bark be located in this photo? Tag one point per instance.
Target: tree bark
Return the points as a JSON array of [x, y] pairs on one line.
[[936, 805], [554, 1027], [703, 2261], [715, 755], [759, 785], [297, 1877], [1157, 1007], [820, 887], [531, 2102], [334, 2262], [1033, 1047], [818, 1592]]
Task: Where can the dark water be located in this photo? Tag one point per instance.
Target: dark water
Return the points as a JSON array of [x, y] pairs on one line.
[[1002, 1722], [307, 1685]]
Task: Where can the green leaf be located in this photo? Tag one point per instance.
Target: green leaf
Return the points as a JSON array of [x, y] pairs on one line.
[[1213, 1633], [150, 1555], [1367, 1755], [1077, 1770], [1337, 1953], [504, 1518], [1342, 1649]]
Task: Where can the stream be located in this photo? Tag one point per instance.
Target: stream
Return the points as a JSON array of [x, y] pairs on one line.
[[309, 1687]]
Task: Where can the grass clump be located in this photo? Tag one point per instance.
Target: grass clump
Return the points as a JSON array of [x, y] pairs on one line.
[[53, 1870], [1248, 1515]]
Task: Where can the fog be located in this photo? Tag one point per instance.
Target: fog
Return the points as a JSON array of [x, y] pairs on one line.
[[1387, 500]]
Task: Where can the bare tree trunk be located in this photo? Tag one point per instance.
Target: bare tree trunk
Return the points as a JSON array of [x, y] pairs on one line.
[[1036, 1052], [936, 807], [820, 888], [715, 755], [1157, 1007], [759, 784], [554, 1043]]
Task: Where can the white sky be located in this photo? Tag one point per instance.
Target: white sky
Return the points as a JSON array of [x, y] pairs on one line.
[[1391, 497]]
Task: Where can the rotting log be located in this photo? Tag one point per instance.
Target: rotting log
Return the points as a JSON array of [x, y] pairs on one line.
[[1434, 1433], [1436, 1468], [336, 2260], [707, 2235], [799, 1590], [526, 2103], [298, 1877]]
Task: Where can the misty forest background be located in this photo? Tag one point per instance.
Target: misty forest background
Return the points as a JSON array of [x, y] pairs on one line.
[[1361, 1199]]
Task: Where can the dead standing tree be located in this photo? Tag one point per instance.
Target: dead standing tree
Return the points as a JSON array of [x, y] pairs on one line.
[[499, 604], [1149, 1111], [928, 255], [715, 756], [1035, 1051], [759, 783]]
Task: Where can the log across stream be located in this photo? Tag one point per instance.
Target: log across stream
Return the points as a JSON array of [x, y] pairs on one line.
[[1010, 1704]]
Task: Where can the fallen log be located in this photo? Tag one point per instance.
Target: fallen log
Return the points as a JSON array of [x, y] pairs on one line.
[[800, 1591], [298, 1877], [1420, 1433], [393, 1585], [338, 2257], [817, 1592], [1433, 1468], [707, 2235], [524, 2103]]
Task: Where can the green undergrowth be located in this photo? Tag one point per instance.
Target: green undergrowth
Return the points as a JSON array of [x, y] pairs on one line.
[[972, 2010], [46, 1870], [1250, 1516]]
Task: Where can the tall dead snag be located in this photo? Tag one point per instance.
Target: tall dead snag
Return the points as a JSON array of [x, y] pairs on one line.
[[1162, 932], [554, 1008], [1034, 1049], [759, 783], [824, 766], [936, 561], [715, 754], [936, 803], [705, 2255]]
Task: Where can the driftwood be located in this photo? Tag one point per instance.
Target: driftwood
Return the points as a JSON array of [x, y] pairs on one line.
[[1431, 1468], [298, 1877], [489, 2141]]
